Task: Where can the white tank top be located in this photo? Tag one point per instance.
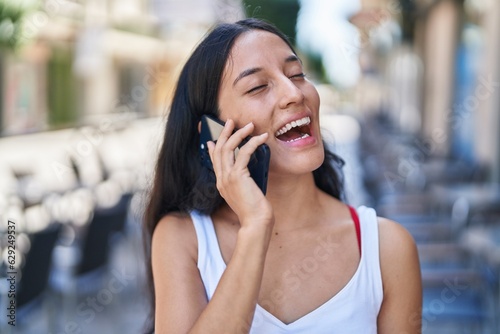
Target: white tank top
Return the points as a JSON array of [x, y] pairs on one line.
[[354, 309]]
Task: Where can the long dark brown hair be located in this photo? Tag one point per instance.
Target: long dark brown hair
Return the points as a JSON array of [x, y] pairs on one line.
[[181, 183]]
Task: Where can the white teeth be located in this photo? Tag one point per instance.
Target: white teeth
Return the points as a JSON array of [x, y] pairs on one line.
[[305, 135], [293, 124]]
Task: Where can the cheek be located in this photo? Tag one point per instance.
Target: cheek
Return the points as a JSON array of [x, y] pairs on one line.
[[225, 106], [244, 111], [312, 96]]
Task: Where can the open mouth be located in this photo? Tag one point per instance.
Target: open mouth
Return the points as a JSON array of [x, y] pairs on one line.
[[294, 130]]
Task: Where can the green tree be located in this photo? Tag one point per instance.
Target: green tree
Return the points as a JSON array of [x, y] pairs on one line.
[[282, 13], [12, 14]]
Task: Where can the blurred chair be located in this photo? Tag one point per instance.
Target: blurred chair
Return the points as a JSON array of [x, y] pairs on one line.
[[483, 240], [456, 291], [400, 171], [36, 270], [96, 243]]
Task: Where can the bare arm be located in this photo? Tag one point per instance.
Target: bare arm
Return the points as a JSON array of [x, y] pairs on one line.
[[181, 304], [233, 305], [402, 305], [179, 293]]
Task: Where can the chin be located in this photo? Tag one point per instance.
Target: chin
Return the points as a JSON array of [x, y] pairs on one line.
[[299, 163]]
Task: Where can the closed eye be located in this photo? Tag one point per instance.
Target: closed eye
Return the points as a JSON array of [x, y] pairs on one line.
[[256, 88], [298, 76]]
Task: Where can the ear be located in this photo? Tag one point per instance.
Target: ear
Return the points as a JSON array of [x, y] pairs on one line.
[[199, 127]]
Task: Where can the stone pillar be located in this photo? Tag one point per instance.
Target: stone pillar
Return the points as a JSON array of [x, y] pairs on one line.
[[439, 39]]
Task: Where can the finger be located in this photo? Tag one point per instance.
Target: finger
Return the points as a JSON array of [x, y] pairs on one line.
[[215, 158], [216, 148], [229, 146], [235, 140], [226, 132], [223, 152], [248, 149], [211, 148]]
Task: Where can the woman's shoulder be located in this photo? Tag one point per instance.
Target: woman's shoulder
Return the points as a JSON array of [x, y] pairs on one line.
[[393, 235], [401, 279], [174, 232], [398, 250], [173, 222], [393, 238]]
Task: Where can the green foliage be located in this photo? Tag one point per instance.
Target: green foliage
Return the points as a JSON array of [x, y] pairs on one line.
[[315, 65], [12, 13], [282, 13]]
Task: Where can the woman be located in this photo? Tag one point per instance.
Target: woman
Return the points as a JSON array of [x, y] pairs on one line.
[[296, 260]]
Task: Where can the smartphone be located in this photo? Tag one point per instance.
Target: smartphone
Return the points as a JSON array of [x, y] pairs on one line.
[[258, 165]]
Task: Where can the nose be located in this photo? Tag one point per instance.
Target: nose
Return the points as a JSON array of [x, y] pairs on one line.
[[289, 93]]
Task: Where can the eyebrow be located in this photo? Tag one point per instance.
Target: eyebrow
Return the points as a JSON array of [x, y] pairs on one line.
[[246, 73], [253, 70], [292, 58]]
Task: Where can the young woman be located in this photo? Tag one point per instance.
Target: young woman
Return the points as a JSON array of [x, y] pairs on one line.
[[296, 260]]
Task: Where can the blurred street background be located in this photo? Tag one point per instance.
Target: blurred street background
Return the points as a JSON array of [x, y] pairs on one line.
[[410, 100]]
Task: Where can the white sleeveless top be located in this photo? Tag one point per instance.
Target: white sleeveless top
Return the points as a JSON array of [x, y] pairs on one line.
[[354, 309]]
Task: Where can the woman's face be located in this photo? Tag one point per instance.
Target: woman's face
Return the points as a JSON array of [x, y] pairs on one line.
[[264, 83]]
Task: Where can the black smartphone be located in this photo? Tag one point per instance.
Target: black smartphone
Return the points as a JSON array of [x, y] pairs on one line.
[[258, 165]]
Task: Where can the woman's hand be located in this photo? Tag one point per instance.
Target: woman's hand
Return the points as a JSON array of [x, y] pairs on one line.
[[234, 182]]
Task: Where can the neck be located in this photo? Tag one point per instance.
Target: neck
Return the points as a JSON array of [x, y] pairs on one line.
[[295, 199]]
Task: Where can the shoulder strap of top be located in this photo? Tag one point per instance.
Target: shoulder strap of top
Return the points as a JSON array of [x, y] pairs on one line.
[[371, 256], [205, 233], [210, 262], [355, 218]]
